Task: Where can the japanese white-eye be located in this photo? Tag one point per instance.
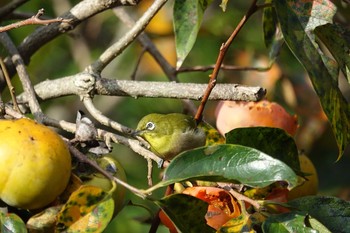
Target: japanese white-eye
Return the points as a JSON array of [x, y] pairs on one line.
[[170, 134]]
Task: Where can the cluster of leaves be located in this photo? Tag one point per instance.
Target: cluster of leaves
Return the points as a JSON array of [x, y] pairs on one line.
[[304, 26], [256, 162], [255, 158]]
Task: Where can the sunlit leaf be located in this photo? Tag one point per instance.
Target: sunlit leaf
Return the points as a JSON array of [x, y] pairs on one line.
[[287, 222], [231, 163], [186, 212], [11, 223], [223, 5], [45, 220], [89, 209], [298, 19], [187, 21], [238, 224], [272, 141], [332, 212]]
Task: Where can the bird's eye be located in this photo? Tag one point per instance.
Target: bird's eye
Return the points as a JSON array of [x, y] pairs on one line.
[[150, 125]]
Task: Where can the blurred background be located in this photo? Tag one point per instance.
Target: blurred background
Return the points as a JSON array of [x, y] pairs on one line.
[[286, 83]]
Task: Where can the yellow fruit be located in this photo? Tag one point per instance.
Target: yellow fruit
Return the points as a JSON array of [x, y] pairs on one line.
[[98, 180], [309, 186], [35, 164]]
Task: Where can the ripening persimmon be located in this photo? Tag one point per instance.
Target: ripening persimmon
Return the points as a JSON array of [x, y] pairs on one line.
[[237, 114], [35, 164]]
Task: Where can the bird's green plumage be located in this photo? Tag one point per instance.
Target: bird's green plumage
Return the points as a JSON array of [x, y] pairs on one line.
[[170, 134]]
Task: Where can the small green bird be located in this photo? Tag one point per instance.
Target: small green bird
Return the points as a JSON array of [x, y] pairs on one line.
[[170, 134]]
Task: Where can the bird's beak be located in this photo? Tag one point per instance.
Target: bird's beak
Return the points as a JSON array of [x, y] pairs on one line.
[[137, 133]]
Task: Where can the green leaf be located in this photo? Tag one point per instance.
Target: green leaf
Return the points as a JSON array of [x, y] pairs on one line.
[[272, 141], [226, 162], [269, 25], [298, 19], [332, 212], [187, 20], [334, 38], [315, 224], [287, 222], [186, 212], [11, 223]]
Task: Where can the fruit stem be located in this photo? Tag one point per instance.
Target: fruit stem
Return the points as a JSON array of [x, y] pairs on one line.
[[241, 197]]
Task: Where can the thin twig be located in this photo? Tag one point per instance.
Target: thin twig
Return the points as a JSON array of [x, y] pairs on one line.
[[42, 35], [23, 75], [82, 158], [133, 144], [9, 84], [33, 20], [114, 50], [222, 52], [149, 171], [139, 59], [147, 44], [13, 113], [87, 101]]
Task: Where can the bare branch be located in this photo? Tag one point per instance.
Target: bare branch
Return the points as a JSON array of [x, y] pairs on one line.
[[72, 85], [118, 47], [10, 86], [103, 119], [147, 44], [42, 35], [33, 20], [10, 7], [23, 75], [133, 144]]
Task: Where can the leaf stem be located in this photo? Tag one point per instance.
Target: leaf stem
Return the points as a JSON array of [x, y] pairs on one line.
[[223, 49]]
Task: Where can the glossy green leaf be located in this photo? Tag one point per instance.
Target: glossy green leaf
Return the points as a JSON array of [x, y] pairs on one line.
[[298, 19], [332, 212], [11, 223], [272, 141], [186, 212], [288, 223], [334, 37], [187, 21], [227, 162]]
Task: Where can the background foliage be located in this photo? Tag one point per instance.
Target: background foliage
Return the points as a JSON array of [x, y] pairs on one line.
[[286, 82]]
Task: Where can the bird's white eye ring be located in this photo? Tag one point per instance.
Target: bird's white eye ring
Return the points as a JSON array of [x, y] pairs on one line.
[[150, 125]]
